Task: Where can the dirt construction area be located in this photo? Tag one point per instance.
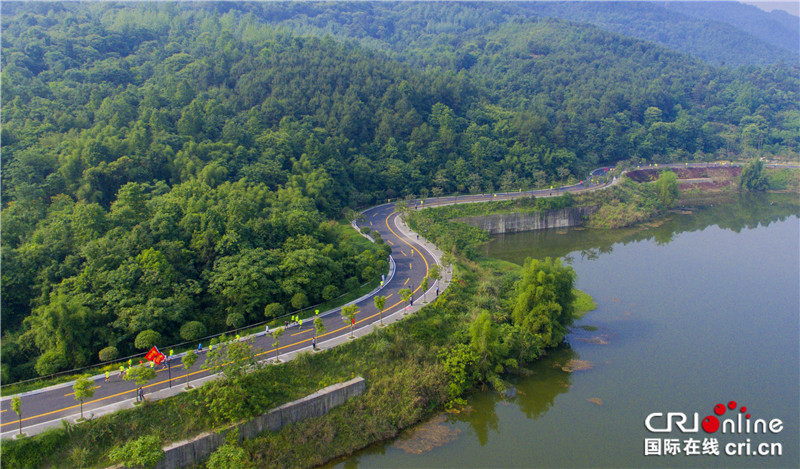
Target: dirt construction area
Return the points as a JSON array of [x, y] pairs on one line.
[[705, 179]]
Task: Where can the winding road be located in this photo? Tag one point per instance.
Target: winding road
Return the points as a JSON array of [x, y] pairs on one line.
[[411, 257]]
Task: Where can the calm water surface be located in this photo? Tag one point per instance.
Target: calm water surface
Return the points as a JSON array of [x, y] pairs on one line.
[[700, 310]]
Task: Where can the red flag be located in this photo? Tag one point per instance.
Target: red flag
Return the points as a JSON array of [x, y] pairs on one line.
[[160, 358], [152, 354]]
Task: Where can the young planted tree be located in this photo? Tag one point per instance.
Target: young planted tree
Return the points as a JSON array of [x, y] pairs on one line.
[[230, 397], [405, 294], [447, 262], [434, 272], [319, 329], [140, 375], [380, 302], [349, 316], [83, 389], [424, 286], [16, 405], [188, 361], [437, 192], [276, 334], [232, 358]]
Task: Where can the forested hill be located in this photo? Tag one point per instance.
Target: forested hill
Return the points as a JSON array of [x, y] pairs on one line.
[[572, 84], [720, 33], [172, 169], [776, 27], [168, 171]]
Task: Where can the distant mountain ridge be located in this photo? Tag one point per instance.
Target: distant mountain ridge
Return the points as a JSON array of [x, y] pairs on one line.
[[777, 27], [719, 33]]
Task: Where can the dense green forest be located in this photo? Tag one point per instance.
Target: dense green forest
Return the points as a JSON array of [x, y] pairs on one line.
[[166, 164], [600, 95]]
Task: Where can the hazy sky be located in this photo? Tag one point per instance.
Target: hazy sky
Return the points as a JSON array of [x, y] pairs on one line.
[[766, 5]]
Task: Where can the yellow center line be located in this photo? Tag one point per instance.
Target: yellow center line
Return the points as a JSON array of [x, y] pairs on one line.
[[427, 267], [1, 411], [404, 283], [301, 332], [390, 243], [390, 295], [327, 333], [404, 254], [101, 399], [183, 377], [96, 387]]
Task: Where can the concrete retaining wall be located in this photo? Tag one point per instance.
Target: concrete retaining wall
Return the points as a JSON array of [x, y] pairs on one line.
[[515, 222], [188, 452]]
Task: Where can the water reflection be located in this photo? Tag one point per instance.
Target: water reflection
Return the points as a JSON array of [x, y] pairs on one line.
[[745, 211], [481, 419], [536, 394]]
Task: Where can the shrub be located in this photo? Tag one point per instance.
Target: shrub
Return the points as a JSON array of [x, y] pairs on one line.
[[235, 320], [299, 301], [273, 310], [52, 361], [145, 451], [147, 339], [230, 456], [330, 292], [368, 273], [108, 354], [351, 283], [193, 330]]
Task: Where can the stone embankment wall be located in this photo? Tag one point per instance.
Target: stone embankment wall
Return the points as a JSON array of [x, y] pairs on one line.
[[188, 452], [516, 222]]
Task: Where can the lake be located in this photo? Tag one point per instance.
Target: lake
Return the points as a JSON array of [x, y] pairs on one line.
[[696, 310]]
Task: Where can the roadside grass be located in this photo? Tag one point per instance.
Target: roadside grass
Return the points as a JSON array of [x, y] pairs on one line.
[[498, 265], [783, 179]]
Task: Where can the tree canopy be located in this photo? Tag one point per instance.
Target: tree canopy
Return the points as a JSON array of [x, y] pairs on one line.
[[166, 165]]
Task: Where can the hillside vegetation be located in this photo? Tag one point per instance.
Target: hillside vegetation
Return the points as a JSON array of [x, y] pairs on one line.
[[168, 164]]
